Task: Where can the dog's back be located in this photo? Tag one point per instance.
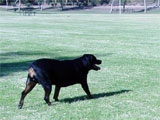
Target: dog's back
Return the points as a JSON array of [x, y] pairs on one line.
[[48, 72]]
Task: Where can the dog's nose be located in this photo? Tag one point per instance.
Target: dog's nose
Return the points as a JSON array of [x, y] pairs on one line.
[[99, 61]]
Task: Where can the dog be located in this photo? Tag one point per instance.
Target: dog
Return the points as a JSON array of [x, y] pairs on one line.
[[48, 72]]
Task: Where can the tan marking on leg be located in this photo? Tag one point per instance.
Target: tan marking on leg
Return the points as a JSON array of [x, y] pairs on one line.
[[28, 88]]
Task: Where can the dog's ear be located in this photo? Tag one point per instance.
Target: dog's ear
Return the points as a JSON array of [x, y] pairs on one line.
[[91, 57], [86, 60], [85, 55]]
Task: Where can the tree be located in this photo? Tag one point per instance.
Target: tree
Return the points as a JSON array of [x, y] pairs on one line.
[[40, 3], [112, 6], [62, 4], [124, 4], [145, 6], [19, 5], [119, 6], [6, 4], [120, 11]]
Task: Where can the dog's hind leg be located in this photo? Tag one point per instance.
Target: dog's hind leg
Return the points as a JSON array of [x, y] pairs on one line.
[[47, 89], [29, 86], [56, 92], [86, 89], [43, 79]]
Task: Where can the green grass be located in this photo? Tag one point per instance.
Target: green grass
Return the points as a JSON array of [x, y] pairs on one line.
[[127, 44]]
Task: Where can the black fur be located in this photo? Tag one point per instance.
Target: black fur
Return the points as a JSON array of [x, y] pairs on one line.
[[48, 72]]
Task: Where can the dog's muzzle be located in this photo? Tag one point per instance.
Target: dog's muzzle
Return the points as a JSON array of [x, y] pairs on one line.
[[97, 62]]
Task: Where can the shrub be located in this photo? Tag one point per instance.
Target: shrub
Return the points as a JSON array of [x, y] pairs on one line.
[[2, 2], [53, 4], [40, 2], [13, 4], [28, 4], [85, 3], [93, 2], [104, 2], [79, 4], [69, 3], [48, 2]]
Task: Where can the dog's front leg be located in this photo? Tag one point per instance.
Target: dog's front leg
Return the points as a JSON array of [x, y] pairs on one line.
[[86, 89], [56, 93]]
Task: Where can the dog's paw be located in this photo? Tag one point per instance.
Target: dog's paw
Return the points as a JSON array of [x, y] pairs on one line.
[[19, 106], [90, 97], [49, 104], [56, 100]]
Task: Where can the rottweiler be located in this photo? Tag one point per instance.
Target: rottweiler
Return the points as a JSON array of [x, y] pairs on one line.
[[48, 72]]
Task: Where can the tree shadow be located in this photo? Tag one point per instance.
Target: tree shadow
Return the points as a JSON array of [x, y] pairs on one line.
[[148, 9], [95, 96], [7, 68], [76, 8]]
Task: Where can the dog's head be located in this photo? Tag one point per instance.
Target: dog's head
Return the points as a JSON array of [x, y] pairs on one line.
[[91, 62]]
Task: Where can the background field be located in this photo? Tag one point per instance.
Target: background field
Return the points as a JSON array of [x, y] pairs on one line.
[[126, 88]]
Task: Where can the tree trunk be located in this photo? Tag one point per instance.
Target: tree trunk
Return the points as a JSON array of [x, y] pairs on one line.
[[19, 6], [6, 4], [120, 11], [62, 4], [158, 3], [16, 1], [41, 7], [145, 6], [124, 5], [112, 6]]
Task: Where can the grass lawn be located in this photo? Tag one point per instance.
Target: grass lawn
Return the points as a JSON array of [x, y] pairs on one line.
[[126, 88]]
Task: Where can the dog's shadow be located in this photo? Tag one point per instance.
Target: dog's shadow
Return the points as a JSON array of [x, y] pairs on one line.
[[95, 96], [84, 97]]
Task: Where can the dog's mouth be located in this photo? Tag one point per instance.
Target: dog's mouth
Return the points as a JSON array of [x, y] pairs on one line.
[[95, 67]]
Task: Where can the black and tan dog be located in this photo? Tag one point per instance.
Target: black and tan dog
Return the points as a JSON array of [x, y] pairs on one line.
[[48, 72]]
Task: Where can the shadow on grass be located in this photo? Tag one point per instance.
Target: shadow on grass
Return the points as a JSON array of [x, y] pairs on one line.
[[95, 96], [7, 68], [82, 98], [76, 8], [149, 9]]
